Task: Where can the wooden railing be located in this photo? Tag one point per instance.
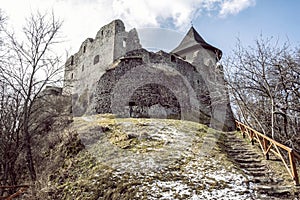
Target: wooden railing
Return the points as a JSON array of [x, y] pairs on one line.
[[22, 189], [269, 145]]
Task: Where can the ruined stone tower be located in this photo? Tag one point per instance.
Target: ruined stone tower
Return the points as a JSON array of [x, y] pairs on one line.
[[114, 74], [83, 69]]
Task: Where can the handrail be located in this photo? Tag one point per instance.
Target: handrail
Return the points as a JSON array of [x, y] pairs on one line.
[[269, 145], [22, 189]]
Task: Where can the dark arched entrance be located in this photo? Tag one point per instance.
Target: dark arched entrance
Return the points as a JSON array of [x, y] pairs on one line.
[[154, 101]]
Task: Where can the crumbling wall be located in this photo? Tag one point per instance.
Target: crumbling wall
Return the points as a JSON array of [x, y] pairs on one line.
[[83, 69], [143, 83], [113, 74]]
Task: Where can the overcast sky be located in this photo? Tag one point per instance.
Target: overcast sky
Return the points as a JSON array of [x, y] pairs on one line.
[[162, 23]]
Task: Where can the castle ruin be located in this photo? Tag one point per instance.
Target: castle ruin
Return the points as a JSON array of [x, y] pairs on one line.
[[112, 73]]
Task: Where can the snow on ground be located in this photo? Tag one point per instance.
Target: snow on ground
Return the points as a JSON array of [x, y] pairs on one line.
[[172, 159]]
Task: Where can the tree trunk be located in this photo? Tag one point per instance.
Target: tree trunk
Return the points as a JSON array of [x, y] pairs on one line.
[[30, 164], [27, 141], [29, 158], [285, 124], [272, 118]]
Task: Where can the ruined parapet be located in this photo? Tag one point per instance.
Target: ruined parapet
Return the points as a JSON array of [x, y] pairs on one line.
[[83, 69]]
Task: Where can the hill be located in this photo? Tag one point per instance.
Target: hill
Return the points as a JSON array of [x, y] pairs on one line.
[[103, 157]]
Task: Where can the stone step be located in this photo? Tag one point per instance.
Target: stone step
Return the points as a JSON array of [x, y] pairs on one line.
[[245, 156], [240, 151], [262, 168], [230, 134], [251, 165], [242, 160], [255, 173], [276, 191], [232, 141], [260, 179], [231, 137], [238, 147]]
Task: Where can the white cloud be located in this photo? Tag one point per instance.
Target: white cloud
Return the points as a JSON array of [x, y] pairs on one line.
[[83, 18], [233, 7], [135, 13], [142, 13]]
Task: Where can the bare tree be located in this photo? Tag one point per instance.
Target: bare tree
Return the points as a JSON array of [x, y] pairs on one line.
[[32, 64], [10, 137], [264, 82], [2, 26]]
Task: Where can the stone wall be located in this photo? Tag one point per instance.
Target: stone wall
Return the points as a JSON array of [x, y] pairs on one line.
[[206, 64], [83, 69], [149, 84], [111, 73], [154, 100]]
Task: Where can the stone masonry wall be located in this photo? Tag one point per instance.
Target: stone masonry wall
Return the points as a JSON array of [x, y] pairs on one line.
[[154, 100], [143, 77], [111, 73], [206, 64], [83, 69]]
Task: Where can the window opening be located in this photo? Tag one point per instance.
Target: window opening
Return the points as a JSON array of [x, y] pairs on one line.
[[96, 59], [72, 60]]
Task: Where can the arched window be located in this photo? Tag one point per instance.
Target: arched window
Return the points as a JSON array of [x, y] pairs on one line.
[[72, 76], [96, 59], [84, 49], [82, 68]]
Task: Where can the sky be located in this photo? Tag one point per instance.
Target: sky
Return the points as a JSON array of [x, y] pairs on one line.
[[161, 24]]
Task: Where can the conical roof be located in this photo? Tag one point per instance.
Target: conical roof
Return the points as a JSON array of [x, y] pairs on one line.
[[193, 41]]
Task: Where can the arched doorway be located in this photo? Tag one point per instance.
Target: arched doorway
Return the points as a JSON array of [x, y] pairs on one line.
[[154, 101]]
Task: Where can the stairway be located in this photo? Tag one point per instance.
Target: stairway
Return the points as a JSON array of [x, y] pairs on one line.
[[263, 182]]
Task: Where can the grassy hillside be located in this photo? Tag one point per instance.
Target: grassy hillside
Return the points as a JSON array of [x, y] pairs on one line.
[[101, 157]]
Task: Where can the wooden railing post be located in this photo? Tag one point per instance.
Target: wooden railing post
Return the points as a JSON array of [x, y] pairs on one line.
[[269, 145], [265, 143], [252, 137], [293, 167]]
